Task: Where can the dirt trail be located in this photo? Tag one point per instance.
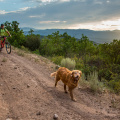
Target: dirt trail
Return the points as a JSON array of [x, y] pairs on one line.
[[27, 92]]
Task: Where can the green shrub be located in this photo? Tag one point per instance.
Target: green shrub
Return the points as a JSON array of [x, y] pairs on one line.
[[79, 63], [84, 83], [117, 87], [115, 83], [115, 68], [32, 42], [57, 59], [68, 63], [86, 71], [93, 84], [36, 51], [96, 86]]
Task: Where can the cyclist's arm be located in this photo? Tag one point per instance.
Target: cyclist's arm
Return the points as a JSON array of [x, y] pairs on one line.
[[8, 33]]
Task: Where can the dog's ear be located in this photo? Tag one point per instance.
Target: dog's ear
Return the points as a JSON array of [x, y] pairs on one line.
[[80, 73], [72, 73]]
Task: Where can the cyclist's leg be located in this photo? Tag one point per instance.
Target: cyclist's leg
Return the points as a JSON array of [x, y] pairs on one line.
[[0, 44], [0, 48]]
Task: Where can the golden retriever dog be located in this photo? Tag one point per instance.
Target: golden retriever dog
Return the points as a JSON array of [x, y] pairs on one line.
[[69, 78]]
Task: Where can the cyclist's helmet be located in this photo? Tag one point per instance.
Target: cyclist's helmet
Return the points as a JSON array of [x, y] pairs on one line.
[[2, 24]]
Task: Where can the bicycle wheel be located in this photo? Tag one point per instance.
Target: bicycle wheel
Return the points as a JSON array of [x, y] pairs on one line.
[[8, 47]]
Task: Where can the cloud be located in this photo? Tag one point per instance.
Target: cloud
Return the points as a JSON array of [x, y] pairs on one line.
[[51, 1], [2, 12], [112, 22], [23, 9], [17, 11], [94, 26], [102, 25], [45, 14], [51, 22], [37, 16], [98, 2], [64, 0], [46, 0]]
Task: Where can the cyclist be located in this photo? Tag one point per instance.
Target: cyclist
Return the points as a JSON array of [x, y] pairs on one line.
[[3, 33]]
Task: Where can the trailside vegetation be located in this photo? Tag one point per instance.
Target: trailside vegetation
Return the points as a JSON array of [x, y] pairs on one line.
[[93, 59]]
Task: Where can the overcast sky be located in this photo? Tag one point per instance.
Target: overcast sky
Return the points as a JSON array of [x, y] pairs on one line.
[[62, 14]]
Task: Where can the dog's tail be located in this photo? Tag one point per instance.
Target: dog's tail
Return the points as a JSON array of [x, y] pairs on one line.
[[53, 74]]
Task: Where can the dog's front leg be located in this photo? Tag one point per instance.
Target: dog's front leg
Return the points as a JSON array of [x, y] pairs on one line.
[[71, 94], [65, 89]]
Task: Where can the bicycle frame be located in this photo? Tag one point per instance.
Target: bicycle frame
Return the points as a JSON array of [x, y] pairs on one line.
[[8, 46], [3, 42]]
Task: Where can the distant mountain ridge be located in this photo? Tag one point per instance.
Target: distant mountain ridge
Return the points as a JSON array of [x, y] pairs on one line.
[[96, 36]]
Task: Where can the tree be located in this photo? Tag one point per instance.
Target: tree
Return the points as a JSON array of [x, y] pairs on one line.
[[56, 44], [8, 26], [15, 27], [68, 44], [31, 31], [32, 42], [85, 46], [111, 52], [18, 38]]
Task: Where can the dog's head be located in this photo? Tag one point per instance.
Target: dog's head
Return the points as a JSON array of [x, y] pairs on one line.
[[76, 74]]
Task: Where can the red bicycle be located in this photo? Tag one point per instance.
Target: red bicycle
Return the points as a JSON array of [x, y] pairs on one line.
[[6, 43]]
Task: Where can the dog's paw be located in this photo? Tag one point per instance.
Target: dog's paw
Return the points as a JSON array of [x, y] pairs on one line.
[[66, 92], [74, 100]]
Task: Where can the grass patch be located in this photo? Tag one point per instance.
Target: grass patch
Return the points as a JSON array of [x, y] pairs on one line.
[[20, 53], [4, 60], [25, 49]]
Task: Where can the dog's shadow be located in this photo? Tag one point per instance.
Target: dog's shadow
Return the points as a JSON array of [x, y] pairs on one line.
[[59, 94]]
